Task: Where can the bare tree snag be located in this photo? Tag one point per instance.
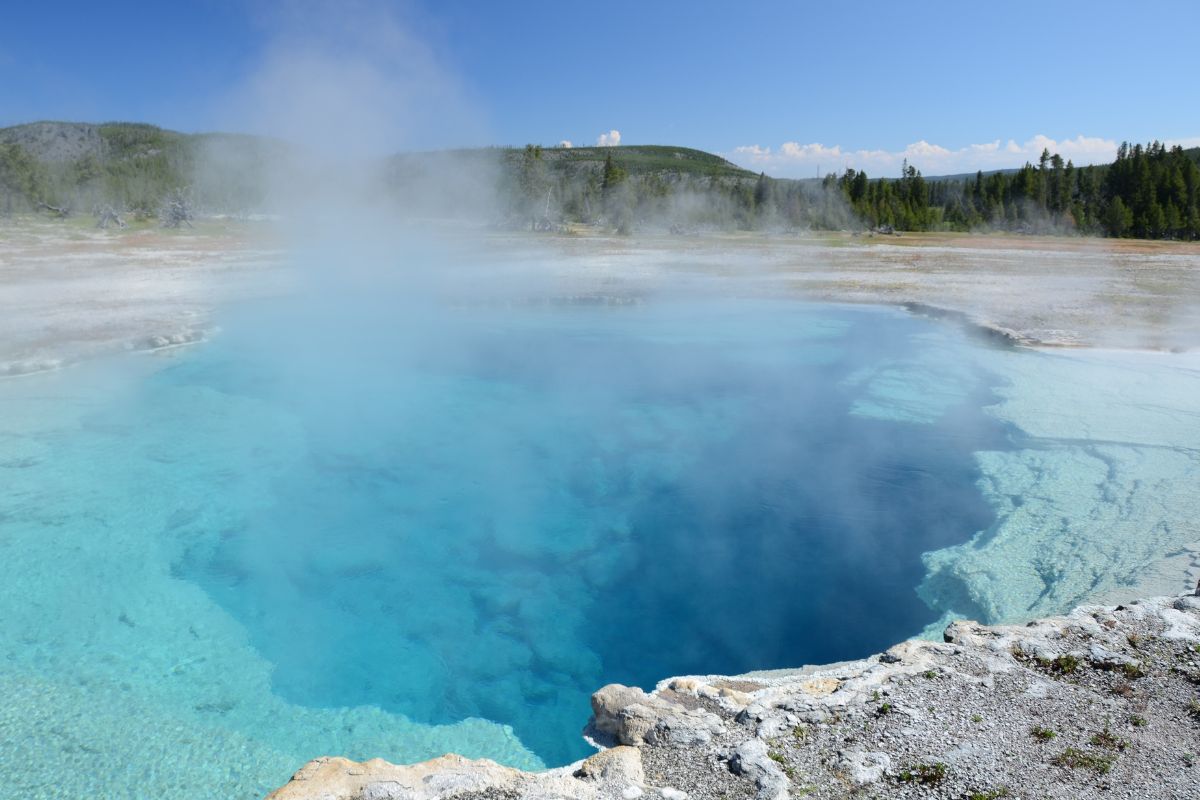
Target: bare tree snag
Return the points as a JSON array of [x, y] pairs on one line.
[[58, 211], [107, 215], [176, 210]]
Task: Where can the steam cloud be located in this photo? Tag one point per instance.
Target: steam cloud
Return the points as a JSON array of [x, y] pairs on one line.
[[350, 79]]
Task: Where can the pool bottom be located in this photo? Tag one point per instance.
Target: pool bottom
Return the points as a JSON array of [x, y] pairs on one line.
[[541, 502]]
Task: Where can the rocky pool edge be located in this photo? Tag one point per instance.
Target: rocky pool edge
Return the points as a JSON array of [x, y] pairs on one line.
[[1103, 700]]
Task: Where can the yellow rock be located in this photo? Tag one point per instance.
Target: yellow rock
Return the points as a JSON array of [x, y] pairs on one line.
[[820, 687]]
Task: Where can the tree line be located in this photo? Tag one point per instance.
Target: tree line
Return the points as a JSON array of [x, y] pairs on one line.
[[1150, 192]]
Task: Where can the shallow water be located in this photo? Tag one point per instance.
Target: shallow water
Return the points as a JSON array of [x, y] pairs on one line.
[[445, 538]]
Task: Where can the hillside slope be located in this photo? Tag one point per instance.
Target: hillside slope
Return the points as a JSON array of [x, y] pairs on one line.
[[129, 165], [640, 159], [133, 166]]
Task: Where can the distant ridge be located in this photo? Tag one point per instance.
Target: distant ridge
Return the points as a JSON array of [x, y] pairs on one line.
[[133, 165], [60, 142], [651, 158]]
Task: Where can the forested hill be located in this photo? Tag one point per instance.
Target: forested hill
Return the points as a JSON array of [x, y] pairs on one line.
[[130, 166], [619, 187], [643, 159], [1150, 191]]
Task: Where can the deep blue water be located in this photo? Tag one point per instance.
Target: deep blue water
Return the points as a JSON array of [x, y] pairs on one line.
[[495, 514]]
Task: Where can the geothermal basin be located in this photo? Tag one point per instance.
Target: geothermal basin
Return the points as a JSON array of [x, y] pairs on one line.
[[399, 525]]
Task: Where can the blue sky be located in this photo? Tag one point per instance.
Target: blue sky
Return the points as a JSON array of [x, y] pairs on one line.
[[789, 87]]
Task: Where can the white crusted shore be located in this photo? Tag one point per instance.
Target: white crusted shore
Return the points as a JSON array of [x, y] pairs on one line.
[[76, 292], [1104, 702]]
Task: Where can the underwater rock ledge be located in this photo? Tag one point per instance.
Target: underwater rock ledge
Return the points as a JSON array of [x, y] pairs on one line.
[[1105, 700]]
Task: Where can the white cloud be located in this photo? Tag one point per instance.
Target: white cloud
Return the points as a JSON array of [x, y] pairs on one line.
[[809, 151], [751, 151], [566, 143], [985, 149], [610, 139], [797, 159], [924, 149]]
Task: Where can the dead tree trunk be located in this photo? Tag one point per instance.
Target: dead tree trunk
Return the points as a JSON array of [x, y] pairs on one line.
[[106, 216], [177, 210], [61, 212]]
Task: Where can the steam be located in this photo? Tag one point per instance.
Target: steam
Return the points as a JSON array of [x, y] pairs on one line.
[[339, 89], [350, 80], [610, 139]]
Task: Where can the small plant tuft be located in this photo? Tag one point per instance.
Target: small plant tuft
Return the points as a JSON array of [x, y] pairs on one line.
[[1074, 758], [1109, 740], [976, 718], [886, 708], [1065, 664], [781, 760], [1137, 721], [1133, 671], [1042, 734], [924, 774], [929, 674], [1062, 665], [993, 794]]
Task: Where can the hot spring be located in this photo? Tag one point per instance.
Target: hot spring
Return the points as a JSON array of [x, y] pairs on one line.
[[442, 530]]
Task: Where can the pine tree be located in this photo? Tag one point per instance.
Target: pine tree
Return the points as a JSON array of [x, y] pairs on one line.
[[534, 184], [1119, 218], [762, 197], [614, 194], [614, 175]]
